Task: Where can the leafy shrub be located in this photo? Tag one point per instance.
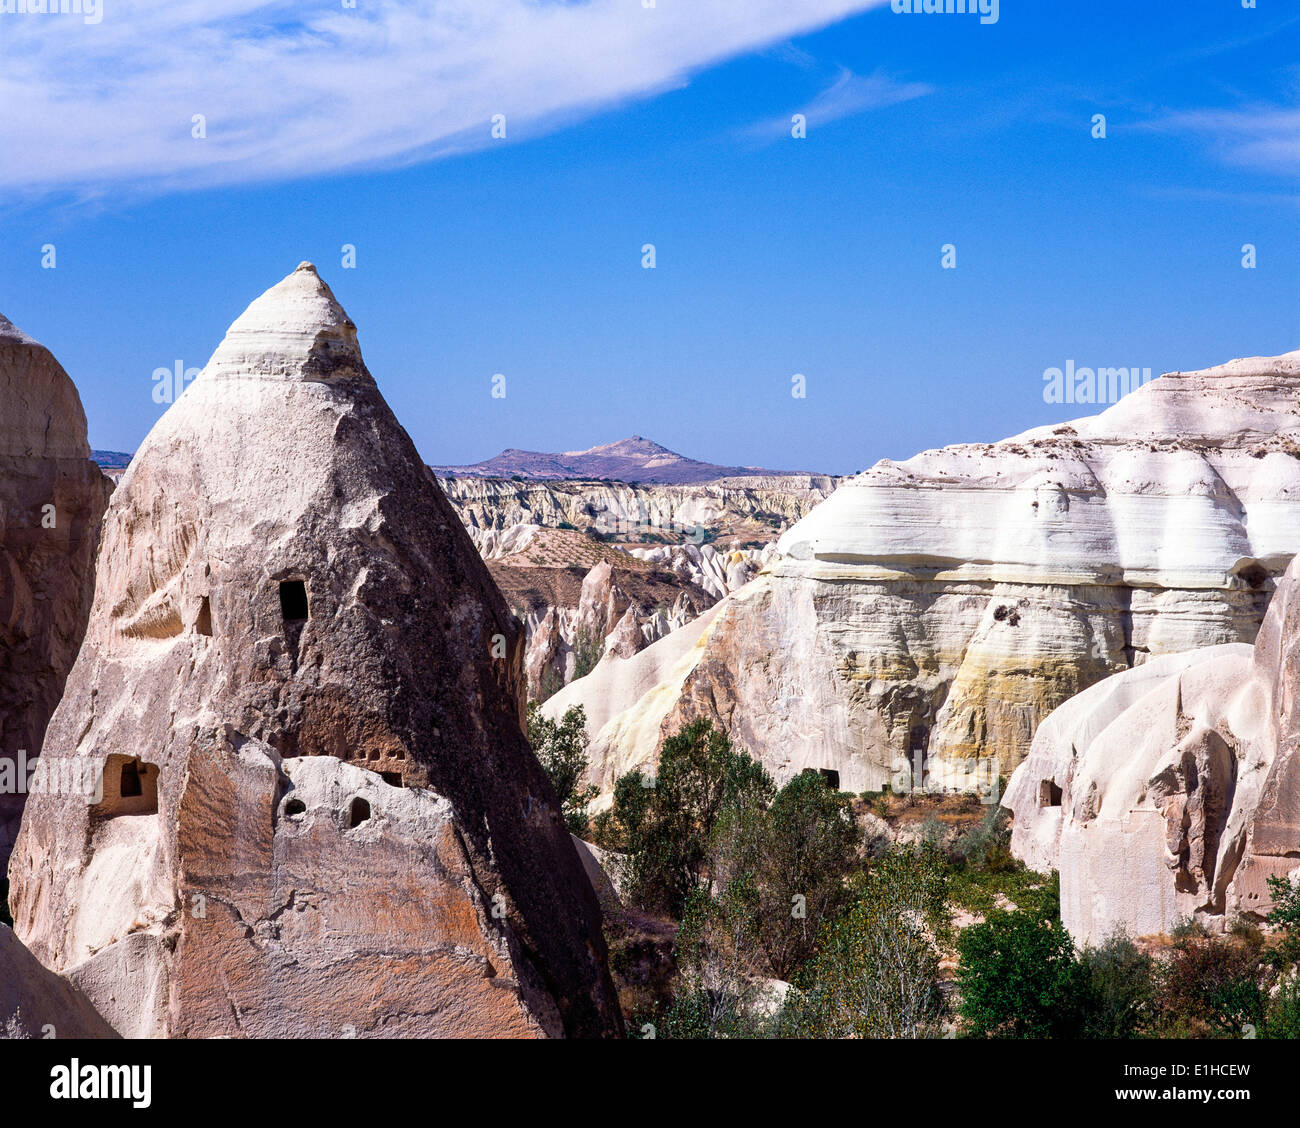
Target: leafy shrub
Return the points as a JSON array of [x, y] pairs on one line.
[[1285, 917], [792, 858], [877, 971], [1122, 989], [665, 826], [561, 748], [1019, 978], [1212, 987], [1282, 1019]]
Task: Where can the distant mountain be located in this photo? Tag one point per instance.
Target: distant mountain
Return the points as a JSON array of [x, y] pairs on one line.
[[111, 459], [629, 460]]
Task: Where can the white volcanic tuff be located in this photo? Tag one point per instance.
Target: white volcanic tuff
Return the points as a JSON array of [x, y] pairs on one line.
[[493, 544], [716, 572], [1172, 789], [947, 603], [435, 892], [604, 611], [37, 1003], [1067, 512]]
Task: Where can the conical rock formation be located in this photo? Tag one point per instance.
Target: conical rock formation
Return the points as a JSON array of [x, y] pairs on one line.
[[300, 688]]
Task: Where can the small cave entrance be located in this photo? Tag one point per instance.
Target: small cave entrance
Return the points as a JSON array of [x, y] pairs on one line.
[[295, 808], [392, 778], [293, 601], [358, 813], [1049, 794], [918, 755], [1250, 574], [129, 787], [830, 777], [203, 623]]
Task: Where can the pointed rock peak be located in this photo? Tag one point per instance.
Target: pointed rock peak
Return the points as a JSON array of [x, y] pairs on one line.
[[295, 331], [10, 332]]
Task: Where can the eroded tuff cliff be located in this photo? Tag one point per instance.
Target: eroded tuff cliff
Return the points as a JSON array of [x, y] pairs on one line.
[[52, 498], [732, 509], [933, 611], [300, 694], [1171, 790], [596, 567]]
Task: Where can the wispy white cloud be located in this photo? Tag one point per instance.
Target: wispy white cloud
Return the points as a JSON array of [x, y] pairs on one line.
[[1262, 137], [288, 92], [849, 94]]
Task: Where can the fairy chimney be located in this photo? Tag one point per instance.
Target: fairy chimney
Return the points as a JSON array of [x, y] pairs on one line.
[[288, 791]]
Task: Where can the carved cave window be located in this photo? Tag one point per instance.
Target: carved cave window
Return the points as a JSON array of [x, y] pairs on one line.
[[293, 601]]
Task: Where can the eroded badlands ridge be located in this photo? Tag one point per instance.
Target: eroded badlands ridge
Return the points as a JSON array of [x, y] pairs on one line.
[[935, 610], [319, 813], [52, 497]]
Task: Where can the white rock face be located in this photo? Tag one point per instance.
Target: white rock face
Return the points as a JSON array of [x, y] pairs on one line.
[[933, 611], [492, 544], [718, 573], [1169, 790]]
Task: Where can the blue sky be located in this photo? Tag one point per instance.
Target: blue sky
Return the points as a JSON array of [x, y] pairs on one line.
[[671, 126]]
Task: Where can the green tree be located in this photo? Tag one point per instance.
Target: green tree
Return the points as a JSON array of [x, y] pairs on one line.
[[718, 961], [877, 971], [1122, 989], [799, 851], [700, 776], [561, 747], [1286, 917], [665, 825], [1019, 977]]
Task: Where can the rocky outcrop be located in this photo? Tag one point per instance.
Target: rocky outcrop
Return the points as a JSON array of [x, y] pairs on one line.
[[718, 536], [52, 499], [749, 509], [626, 700], [580, 599], [922, 621], [1171, 790], [312, 809], [37, 1003]]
